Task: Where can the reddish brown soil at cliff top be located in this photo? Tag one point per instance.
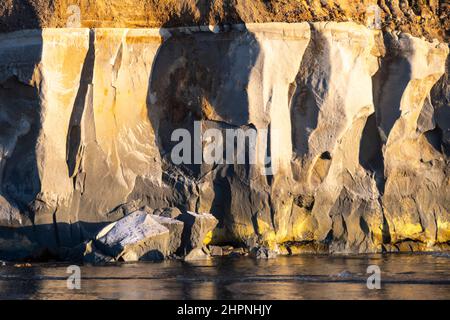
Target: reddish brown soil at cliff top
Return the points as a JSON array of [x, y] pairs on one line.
[[418, 17]]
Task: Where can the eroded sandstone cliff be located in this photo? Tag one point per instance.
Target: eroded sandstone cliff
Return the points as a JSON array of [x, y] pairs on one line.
[[358, 123]]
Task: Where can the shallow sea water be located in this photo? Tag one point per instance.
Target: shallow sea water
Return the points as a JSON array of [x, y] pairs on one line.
[[403, 276]]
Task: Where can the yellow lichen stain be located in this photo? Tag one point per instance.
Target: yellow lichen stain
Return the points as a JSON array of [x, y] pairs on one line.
[[377, 233], [283, 250], [269, 237], [410, 229], [302, 230], [219, 235], [241, 231], [283, 210], [443, 234], [208, 238], [299, 226], [406, 230], [263, 226]]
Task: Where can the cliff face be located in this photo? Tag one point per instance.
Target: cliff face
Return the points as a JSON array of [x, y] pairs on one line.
[[357, 121]]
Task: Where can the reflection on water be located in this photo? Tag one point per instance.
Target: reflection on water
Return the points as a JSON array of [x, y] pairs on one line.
[[404, 276]]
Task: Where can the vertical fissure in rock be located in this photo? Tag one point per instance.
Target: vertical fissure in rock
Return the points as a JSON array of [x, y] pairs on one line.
[[74, 139]]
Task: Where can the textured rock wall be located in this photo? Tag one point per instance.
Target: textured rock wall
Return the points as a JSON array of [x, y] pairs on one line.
[[358, 124]]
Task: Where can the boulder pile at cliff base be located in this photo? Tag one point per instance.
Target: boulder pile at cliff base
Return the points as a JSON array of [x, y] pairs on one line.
[[150, 236]]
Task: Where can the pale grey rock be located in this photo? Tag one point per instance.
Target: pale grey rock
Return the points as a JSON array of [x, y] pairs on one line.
[[137, 236]]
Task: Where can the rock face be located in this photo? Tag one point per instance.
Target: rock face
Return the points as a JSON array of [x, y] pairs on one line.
[[175, 228], [198, 229], [357, 124]]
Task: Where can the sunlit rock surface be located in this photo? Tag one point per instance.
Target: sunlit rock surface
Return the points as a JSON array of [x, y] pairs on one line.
[[357, 126], [137, 236]]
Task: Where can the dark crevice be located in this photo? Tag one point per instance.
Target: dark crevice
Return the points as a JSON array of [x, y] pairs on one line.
[[74, 134], [55, 228], [325, 155], [440, 100], [371, 152], [311, 84], [389, 84], [434, 138]]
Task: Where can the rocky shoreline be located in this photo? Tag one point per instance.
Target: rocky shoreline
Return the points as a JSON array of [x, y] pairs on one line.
[[170, 234]]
